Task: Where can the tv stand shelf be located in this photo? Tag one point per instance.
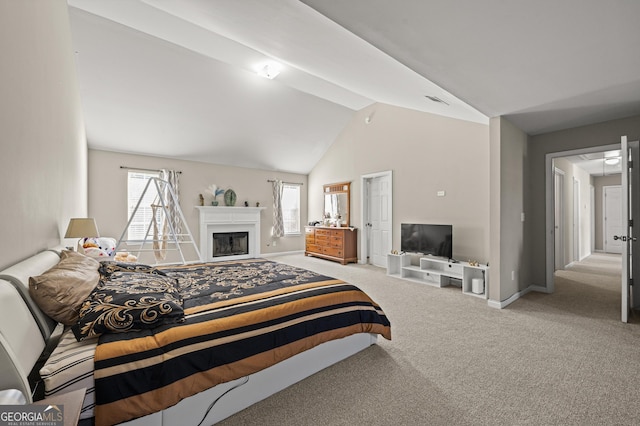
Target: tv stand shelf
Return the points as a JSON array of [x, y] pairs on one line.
[[439, 272]]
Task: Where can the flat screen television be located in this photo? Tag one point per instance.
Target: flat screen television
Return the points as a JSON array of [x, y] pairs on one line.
[[436, 240]]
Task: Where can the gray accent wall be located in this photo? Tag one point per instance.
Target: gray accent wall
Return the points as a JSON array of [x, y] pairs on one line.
[[594, 135], [44, 151]]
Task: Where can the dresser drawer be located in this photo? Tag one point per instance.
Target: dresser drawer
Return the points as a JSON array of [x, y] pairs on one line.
[[323, 233], [323, 240], [333, 251], [336, 241], [314, 248]]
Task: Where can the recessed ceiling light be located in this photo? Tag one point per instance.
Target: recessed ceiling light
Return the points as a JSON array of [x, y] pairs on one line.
[[269, 70]]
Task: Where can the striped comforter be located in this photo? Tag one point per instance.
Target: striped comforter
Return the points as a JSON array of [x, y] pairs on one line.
[[240, 317]]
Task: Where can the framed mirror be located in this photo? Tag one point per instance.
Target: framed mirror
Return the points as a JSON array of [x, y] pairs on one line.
[[336, 204]]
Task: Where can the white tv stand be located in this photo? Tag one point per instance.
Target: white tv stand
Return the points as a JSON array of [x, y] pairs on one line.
[[439, 272]]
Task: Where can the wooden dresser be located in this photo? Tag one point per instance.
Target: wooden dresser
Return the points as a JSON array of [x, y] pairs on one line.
[[338, 244]]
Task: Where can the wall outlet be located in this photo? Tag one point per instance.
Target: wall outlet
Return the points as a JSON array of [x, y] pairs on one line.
[[441, 193], [275, 243]]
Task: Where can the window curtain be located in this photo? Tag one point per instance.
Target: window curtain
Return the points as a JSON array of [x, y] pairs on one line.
[[170, 217], [173, 206], [278, 222], [159, 240]]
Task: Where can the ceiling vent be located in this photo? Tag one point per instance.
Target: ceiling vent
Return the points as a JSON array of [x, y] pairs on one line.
[[435, 99]]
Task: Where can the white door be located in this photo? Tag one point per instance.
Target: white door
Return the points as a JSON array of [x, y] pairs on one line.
[[630, 213], [612, 218], [377, 218], [634, 213]]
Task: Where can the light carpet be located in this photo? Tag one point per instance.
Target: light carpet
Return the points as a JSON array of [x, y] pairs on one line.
[[546, 359]]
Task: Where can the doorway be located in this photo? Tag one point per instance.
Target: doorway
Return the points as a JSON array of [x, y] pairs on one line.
[[569, 211], [377, 218], [558, 185]]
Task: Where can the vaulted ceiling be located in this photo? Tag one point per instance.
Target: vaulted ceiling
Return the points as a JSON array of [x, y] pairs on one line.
[[177, 78]]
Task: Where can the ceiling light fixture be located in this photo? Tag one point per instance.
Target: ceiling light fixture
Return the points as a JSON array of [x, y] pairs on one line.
[[611, 161], [270, 70]]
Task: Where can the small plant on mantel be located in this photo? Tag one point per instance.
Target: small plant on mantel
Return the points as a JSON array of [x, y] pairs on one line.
[[215, 191]]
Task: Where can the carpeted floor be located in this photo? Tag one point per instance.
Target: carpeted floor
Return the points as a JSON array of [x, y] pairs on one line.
[[558, 359]]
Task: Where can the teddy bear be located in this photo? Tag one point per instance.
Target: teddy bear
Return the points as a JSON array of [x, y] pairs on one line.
[[98, 246]]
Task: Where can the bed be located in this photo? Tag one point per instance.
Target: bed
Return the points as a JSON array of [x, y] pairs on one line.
[[208, 340]]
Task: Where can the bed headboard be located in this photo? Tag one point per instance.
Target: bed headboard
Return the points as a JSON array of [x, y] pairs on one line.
[[21, 341], [24, 329], [19, 274]]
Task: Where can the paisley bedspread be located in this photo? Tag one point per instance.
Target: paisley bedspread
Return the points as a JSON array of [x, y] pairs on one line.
[[239, 318]]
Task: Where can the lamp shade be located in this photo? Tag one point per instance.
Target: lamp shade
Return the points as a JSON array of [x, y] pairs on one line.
[[82, 227]]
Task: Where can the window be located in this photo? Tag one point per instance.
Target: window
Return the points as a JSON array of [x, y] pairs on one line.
[[291, 208], [136, 183]]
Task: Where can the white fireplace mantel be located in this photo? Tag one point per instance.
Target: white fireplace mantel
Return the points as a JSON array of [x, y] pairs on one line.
[[229, 219]]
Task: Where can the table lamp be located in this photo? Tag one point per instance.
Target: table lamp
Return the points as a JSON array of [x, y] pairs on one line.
[[81, 228]]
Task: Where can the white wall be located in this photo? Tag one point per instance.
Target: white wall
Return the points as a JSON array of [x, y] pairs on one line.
[[44, 153], [427, 153], [108, 193]]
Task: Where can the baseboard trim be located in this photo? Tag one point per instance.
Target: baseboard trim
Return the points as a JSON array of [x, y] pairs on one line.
[[281, 253], [503, 304], [539, 289]]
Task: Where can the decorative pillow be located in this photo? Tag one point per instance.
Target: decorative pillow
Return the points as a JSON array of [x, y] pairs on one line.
[[108, 267], [129, 301], [61, 290]]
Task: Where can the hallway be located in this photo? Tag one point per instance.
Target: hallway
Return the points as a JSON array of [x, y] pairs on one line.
[[591, 287]]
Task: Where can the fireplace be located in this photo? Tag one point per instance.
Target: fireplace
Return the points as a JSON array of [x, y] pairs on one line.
[[229, 233], [230, 244]]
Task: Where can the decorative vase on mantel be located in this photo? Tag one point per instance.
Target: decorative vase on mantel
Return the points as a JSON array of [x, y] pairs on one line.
[[230, 197], [214, 203]]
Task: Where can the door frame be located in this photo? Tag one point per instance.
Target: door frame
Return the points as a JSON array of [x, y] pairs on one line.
[[558, 177], [575, 226], [550, 205], [364, 211]]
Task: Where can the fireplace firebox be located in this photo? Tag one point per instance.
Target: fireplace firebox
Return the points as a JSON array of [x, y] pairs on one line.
[[230, 244]]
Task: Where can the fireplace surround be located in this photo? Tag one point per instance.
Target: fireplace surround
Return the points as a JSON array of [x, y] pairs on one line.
[[229, 223]]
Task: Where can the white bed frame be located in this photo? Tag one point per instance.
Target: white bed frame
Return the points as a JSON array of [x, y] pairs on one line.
[[26, 332]]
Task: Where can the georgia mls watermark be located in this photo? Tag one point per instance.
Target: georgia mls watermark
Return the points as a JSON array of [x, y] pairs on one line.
[[31, 415]]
